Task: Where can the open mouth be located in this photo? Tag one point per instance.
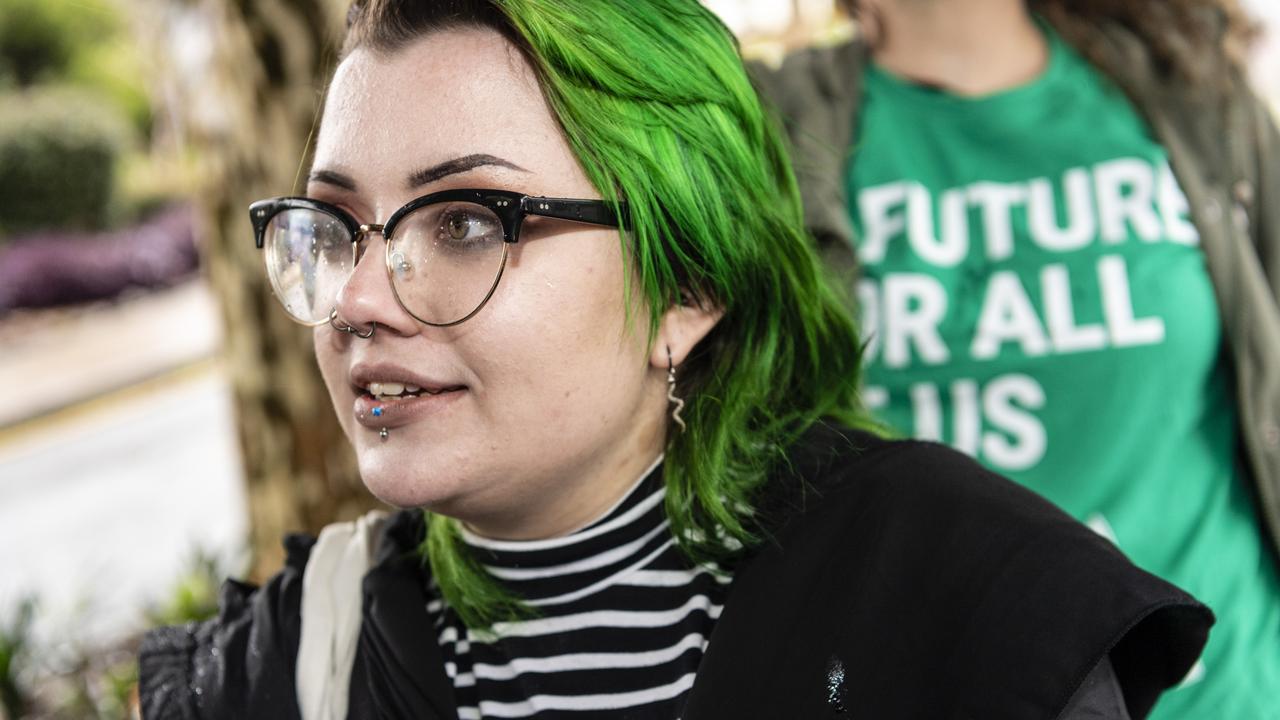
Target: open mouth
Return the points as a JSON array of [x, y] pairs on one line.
[[389, 404]]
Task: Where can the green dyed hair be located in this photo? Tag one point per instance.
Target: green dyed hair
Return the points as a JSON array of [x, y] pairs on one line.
[[654, 101]]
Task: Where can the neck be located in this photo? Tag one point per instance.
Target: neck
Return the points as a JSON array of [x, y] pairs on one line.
[[968, 47], [566, 513], [477, 536]]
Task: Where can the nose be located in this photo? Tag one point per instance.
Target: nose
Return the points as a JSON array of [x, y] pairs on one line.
[[367, 297]]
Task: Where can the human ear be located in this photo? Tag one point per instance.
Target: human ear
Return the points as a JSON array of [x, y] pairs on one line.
[[682, 327]]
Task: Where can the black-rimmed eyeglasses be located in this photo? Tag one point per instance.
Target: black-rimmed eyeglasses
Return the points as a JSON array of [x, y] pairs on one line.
[[445, 252]]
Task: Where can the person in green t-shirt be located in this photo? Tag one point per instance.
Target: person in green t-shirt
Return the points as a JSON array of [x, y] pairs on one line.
[[1038, 290]]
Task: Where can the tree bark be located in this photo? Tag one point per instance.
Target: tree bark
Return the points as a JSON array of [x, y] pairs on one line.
[[270, 62]]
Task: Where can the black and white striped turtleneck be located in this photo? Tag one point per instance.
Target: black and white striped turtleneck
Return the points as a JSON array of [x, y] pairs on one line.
[[622, 619]]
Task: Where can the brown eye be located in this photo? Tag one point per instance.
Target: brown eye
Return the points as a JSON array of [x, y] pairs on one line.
[[459, 223], [449, 226]]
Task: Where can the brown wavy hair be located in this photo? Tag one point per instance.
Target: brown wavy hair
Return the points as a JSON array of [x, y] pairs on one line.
[[1189, 40]]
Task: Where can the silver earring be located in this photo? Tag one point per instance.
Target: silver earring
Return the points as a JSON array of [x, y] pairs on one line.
[[342, 326], [671, 392]]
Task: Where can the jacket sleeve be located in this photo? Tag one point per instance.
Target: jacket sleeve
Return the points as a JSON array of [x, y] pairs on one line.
[[1099, 696], [239, 664]]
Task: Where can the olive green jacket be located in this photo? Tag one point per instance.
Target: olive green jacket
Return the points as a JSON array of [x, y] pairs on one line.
[[1224, 149]]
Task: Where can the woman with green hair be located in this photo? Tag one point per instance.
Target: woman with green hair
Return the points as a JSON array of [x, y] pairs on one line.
[[569, 319]]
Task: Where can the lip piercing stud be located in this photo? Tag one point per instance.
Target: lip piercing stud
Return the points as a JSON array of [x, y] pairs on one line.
[[377, 412], [383, 434]]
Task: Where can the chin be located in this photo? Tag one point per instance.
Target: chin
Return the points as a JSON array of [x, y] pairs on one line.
[[397, 482]]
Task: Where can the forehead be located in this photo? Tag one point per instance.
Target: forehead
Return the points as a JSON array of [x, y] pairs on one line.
[[447, 95]]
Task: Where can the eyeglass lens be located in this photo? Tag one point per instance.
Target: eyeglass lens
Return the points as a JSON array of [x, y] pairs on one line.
[[444, 260], [309, 256]]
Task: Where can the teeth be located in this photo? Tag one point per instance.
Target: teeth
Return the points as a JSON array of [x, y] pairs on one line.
[[391, 389], [385, 389]]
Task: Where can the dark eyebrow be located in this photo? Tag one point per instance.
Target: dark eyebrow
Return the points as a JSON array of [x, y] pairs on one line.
[[457, 165], [330, 177], [420, 177]]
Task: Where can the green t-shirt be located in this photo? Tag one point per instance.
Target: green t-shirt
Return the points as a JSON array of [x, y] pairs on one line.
[[1034, 295]]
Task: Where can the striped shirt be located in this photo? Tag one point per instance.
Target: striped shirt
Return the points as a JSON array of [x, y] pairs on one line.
[[622, 619]]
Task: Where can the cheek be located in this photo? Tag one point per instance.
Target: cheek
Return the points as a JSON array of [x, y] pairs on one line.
[[561, 327], [326, 353], [330, 358]]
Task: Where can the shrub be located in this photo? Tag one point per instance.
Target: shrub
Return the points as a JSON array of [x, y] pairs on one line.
[[61, 268], [85, 43], [39, 39], [116, 70], [58, 152]]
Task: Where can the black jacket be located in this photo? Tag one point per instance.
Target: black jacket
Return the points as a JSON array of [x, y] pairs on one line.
[[900, 580]]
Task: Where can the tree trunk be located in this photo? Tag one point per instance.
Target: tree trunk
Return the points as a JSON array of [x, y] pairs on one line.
[[270, 61]]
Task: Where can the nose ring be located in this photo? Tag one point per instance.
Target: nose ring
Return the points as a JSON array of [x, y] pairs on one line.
[[342, 326]]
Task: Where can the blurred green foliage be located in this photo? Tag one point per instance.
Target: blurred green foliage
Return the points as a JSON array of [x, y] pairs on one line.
[[115, 70], [94, 683], [34, 44], [40, 40], [85, 43], [116, 686], [195, 596], [58, 153], [73, 99], [15, 648]]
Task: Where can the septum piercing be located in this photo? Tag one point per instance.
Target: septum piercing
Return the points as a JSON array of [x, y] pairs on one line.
[[343, 326]]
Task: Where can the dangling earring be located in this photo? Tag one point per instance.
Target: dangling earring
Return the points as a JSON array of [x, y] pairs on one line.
[[671, 392]]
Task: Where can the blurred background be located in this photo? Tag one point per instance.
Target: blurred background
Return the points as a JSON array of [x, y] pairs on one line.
[[163, 425]]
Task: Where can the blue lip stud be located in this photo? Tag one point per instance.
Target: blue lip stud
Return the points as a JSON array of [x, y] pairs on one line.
[[377, 412]]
